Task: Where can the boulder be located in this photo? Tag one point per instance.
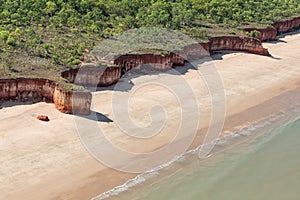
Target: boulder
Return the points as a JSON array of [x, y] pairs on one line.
[[44, 118]]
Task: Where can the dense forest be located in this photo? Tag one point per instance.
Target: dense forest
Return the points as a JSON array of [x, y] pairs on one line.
[[50, 35]]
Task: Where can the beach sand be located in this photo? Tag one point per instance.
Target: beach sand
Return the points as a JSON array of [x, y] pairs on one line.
[[46, 160]]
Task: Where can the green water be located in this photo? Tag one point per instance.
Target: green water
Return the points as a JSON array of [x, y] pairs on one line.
[[266, 167]]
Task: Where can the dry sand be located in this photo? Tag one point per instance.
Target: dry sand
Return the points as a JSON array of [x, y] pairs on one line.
[[41, 160]]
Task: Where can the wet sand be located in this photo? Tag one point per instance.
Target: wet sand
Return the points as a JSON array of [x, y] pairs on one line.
[[47, 160]]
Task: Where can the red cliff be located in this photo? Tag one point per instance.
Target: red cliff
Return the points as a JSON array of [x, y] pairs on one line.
[[104, 76], [235, 43], [158, 61], [36, 90], [72, 102], [79, 102], [93, 76], [265, 34], [287, 25], [277, 28], [195, 51]]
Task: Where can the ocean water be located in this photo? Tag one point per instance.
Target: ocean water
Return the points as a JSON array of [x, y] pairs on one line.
[[262, 162]]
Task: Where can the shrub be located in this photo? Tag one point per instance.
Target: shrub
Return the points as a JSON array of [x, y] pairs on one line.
[[254, 34], [11, 41], [4, 35]]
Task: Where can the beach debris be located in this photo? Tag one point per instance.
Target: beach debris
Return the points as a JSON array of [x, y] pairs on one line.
[[44, 118]]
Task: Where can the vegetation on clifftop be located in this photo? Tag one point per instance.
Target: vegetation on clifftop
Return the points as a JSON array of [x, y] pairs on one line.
[[42, 38]]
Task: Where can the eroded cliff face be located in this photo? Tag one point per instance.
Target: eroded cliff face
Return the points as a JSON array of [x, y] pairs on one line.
[[71, 102], [93, 76], [278, 28], [36, 90], [265, 34], [286, 26], [195, 51], [22, 89], [234, 43], [159, 61], [99, 76]]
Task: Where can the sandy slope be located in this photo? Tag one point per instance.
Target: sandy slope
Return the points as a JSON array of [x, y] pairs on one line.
[[47, 160]]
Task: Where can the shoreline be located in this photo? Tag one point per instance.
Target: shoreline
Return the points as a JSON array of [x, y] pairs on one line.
[[167, 170], [235, 145], [248, 129], [237, 115], [89, 180]]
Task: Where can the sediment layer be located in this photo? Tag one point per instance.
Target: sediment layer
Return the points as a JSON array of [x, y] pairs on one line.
[[233, 43], [265, 34], [287, 26], [23, 89], [94, 76], [277, 28], [36, 90]]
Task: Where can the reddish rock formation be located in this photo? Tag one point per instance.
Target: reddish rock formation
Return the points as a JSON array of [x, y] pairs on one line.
[[195, 51], [234, 43], [43, 118], [108, 75], [265, 34], [93, 76], [36, 90], [278, 28], [71, 102], [79, 102], [158, 61], [287, 25], [22, 89], [105, 76]]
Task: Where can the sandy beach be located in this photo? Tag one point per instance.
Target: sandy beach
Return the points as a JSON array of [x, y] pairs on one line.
[[47, 161]]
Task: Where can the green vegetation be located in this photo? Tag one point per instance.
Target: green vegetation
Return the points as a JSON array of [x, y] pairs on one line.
[[254, 34], [42, 38]]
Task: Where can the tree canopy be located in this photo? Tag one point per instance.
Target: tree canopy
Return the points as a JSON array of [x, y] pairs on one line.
[[58, 31]]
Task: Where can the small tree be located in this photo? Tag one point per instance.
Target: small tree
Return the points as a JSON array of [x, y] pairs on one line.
[[50, 8], [11, 41], [254, 34], [4, 35]]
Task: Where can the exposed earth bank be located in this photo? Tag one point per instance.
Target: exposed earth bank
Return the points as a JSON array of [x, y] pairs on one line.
[[66, 101], [37, 90]]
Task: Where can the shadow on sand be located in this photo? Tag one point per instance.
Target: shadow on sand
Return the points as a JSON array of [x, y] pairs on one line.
[[96, 116], [276, 41], [288, 34], [125, 84], [218, 55], [279, 37], [7, 104]]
